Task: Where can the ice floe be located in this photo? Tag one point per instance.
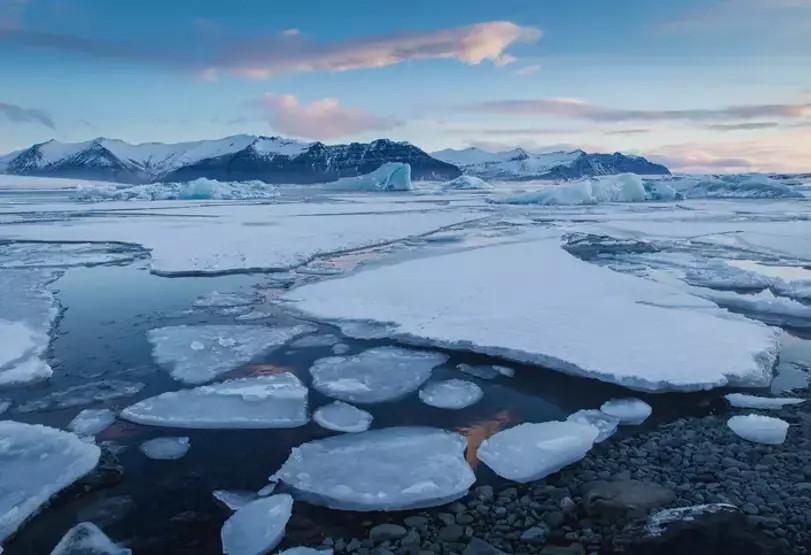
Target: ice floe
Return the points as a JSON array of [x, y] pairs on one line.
[[485, 371], [306, 551], [234, 500], [312, 341], [197, 354], [765, 306], [629, 412], [342, 417], [87, 539], [375, 375], [271, 401], [257, 527], [759, 429], [659, 521], [37, 462], [166, 448], [388, 469], [82, 395], [89, 422], [217, 299], [530, 452], [390, 176], [606, 424], [742, 400], [557, 311], [451, 394]]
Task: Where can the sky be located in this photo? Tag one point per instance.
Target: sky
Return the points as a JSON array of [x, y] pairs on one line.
[[700, 85]]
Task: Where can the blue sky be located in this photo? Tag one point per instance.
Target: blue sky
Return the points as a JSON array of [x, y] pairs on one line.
[[710, 85]]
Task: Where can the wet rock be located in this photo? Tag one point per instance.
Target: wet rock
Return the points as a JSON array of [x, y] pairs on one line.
[[480, 547], [107, 511], [573, 549], [416, 521], [108, 472], [383, 532], [450, 533], [536, 534], [623, 499]]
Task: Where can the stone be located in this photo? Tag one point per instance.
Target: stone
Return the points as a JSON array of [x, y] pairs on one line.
[[536, 534], [450, 533], [383, 532], [554, 519], [416, 521], [623, 499], [573, 549], [464, 518], [446, 518], [480, 547], [411, 538]]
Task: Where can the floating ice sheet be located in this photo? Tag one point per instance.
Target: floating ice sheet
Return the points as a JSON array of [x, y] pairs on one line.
[[257, 527], [629, 412], [82, 395], [342, 417], [87, 539], [216, 299], [606, 425], [742, 400], [89, 422], [234, 500], [759, 429], [312, 341], [451, 394], [166, 448]]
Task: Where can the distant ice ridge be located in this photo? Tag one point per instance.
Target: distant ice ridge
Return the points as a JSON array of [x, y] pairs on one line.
[[390, 176], [37, 462], [624, 187], [87, 539], [198, 189], [759, 429], [390, 469], [257, 527], [557, 311]]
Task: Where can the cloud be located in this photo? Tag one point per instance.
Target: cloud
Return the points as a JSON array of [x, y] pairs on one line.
[[322, 119], [576, 108], [287, 52], [627, 131], [784, 155], [752, 126], [17, 114], [527, 70], [508, 131]]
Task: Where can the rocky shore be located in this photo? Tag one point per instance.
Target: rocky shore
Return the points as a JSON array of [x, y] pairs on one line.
[[753, 498]]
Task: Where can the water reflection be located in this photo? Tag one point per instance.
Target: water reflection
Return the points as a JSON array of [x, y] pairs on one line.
[[481, 430]]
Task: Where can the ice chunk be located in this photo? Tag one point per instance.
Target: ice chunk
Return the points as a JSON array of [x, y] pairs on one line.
[[311, 341], [530, 452], [87, 539], [744, 401], [234, 500], [216, 299], [82, 395], [606, 425], [166, 448], [257, 527], [759, 429], [390, 176], [89, 422], [37, 462], [306, 551], [270, 401], [388, 469], [718, 274], [629, 412], [5, 404], [558, 312], [451, 394], [765, 306], [342, 417], [197, 354], [340, 348], [253, 315], [485, 371], [467, 183], [375, 375], [658, 522]]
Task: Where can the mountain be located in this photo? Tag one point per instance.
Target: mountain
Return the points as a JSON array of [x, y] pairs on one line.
[[519, 164], [236, 158]]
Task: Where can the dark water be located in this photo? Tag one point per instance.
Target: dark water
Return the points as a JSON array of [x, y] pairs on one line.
[[167, 506]]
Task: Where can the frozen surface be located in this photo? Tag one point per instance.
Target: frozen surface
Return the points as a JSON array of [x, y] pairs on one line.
[[312, 341], [64, 255], [198, 189], [485, 371], [390, 176], [451, 394], [37, 462], [82, 395], [629, 412], [217, 299], [89, 422], [530, 452], [197, 354], [342, 417], [166, 448], [375, 375], [606, 424], [467, 183], [557, 311], [765, 305], [234, 500], [744, 401], [271, 401], [257, 527], [87, 539], [388, 469], [759, 429]]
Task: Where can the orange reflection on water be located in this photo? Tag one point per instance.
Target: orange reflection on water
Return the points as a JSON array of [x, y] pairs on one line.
[[118, 430], [481, 430]]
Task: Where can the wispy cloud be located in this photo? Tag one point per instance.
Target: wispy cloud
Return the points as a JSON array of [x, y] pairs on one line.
[[323, 119], [734, 156], [528, 70], [639, 131], [506, 131], [750, 126], [729, 15], [18, 114]]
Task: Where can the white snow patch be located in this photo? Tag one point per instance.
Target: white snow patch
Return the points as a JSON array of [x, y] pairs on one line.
[[257, 527], [90, 422], [166, 448], [342, 417], [629, 412], [87, 539], [451, 394], [759, 429], [744, 401]]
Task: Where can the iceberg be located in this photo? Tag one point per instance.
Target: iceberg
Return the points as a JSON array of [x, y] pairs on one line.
[[87, 539], [89, 422], [606, 424], [342, 417], [37, 463], [530, 452], [466, 183], [390, 176], [451, 394], [759, 429], [558, 312], [82, 395], [744, 401], [197, 354], [166, 448], [750, 186], [257, 527], [390, 469], [271, 401], [375, 375], [197, 189], [629, 412], [624, 187], [234, 500]]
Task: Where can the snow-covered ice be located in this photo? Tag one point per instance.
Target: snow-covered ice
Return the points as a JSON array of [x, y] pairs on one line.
[[87, 539], [342, 417], [375, 375], [64, 255], [390, 176], [270, 401], [451, 394], [485, 371], [759, 429], [312, 341], [234, 500], [89, 422], [629, 411], [166, 448], [766, 306], [257, 527], [37, 462], [606, 424], [82, 395], [744, 401], [197, 354], [530, 452], [388, 469], [466, 183], [533, 302]]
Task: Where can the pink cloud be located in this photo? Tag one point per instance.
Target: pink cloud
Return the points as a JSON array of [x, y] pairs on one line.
[[786, 155], [322, 119]]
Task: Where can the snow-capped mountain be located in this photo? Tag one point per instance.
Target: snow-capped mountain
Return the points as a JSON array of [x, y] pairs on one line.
[[520, 164], [236, 158]]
